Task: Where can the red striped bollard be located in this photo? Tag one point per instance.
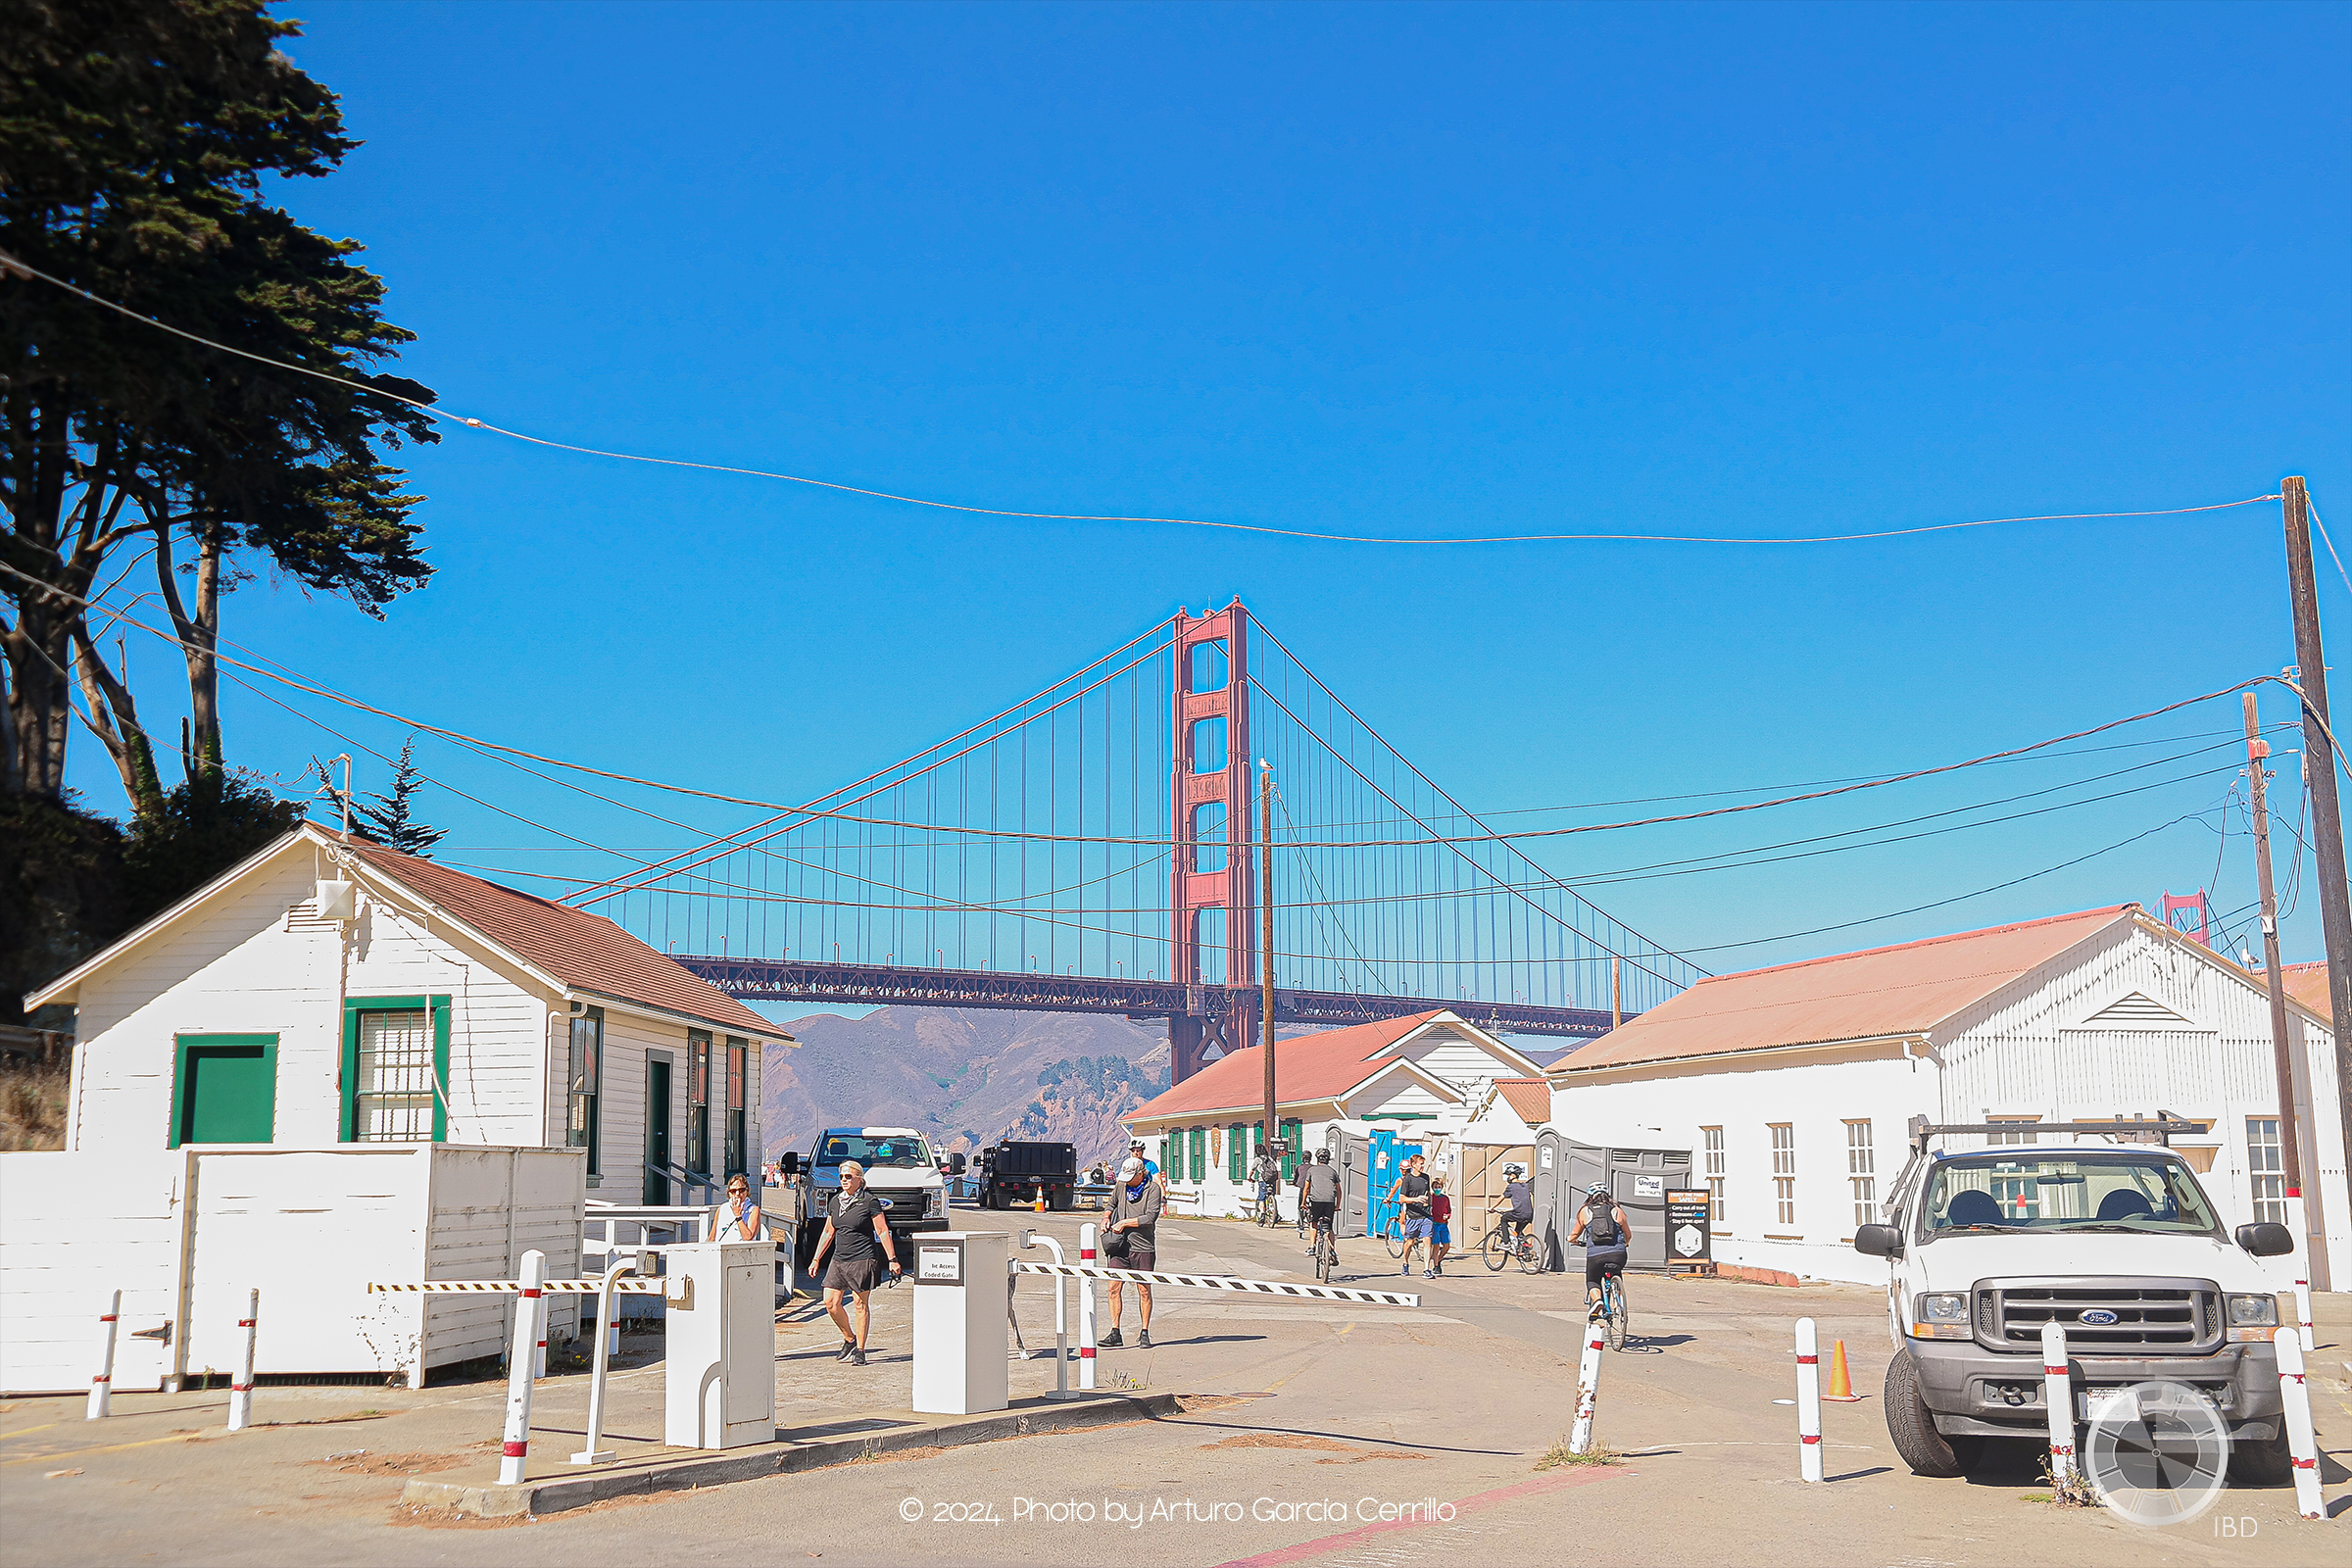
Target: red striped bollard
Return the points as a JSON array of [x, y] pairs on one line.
[[1085, 1308], [2302, 1440], [1808, 1400], [1588, 1387], [2058, 1399], [102, 1387], [517, 1446], [240, 1388]]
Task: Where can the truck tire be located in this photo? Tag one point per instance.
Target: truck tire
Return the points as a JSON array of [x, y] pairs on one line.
[[2261, 1462], [1928, 1452]]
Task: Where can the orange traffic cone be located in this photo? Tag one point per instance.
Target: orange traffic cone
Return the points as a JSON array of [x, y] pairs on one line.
[[1841, 1382], [1039, 1204]]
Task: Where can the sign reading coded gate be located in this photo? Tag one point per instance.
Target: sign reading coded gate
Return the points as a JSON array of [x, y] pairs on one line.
[[1689, 1237]]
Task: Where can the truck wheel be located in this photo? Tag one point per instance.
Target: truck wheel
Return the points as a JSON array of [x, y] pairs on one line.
[[2261, 1462], [1928, 1452]]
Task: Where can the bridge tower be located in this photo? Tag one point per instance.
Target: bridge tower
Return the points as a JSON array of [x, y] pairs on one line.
[[1212, 930]]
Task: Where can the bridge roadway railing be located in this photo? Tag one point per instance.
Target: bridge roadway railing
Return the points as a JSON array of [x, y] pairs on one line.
[[792, 980]]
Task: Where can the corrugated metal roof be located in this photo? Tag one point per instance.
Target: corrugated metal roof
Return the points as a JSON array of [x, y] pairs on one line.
[[1903, 989], [584, 951], [2307, 983], [1531, 1098], [1308, 1069]]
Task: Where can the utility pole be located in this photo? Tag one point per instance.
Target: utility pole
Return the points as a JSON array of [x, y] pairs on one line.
[[2319, 767], [1616, 994], [1266, 945], [2283, 1057]]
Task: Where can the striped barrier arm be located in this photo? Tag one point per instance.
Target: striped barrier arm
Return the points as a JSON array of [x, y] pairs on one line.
[[1221, 1282], [652, 1287]]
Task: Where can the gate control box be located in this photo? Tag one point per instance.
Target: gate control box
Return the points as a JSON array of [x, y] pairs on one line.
[[720, 1363]]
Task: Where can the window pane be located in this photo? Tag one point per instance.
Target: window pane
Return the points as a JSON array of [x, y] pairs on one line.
[[393, 1098]]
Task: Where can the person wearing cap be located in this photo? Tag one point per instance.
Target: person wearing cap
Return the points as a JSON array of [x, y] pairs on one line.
[[1135, 1150], [1130, 1242]]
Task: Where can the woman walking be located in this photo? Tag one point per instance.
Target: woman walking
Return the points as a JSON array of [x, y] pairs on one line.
[[857, 1234]]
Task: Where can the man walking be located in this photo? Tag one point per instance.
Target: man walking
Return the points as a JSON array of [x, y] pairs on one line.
[[1411, 1190], [1130, 1242]]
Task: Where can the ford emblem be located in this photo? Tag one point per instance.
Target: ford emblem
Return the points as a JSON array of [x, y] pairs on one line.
[[2099, 1315]]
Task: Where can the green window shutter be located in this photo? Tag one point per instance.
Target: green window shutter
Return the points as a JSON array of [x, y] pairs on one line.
[[1237, 1163], [1200, 1161], [1291, 1131]]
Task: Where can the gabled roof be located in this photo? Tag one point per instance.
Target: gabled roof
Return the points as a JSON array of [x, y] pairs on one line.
[[1308, 1069], [578, 949], [1529, 1098], [1882, 992]]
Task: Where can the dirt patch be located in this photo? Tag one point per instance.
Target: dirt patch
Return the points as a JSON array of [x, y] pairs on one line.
[[895, 1454], [1340, 1452], [392, 1464], [445, 1519]]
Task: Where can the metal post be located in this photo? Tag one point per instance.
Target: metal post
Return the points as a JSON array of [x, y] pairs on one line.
[[240, 1389], [2302, 1442], [2319, 758], [1061, 1332], [1808, 1400], [517, 1443], [1588, 1388], [592, 1454], [1266, 946], [102, 1387], [2058, 1397], [1086, 1310], [2283, 1056]]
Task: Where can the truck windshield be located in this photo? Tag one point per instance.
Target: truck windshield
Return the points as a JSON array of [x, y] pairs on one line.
[[2064, 1191], [896, 1150]]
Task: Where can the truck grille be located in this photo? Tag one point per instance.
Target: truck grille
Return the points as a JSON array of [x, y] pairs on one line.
[[2130, 1315]]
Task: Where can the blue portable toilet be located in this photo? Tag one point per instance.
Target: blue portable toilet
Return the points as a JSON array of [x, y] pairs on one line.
[[1388, 1154]]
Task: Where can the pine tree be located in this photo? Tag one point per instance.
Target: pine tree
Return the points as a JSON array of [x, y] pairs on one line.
[[388, 821]]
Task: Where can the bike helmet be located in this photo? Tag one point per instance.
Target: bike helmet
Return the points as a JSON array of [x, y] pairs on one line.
[[1514, 1170], [1598, 1190]]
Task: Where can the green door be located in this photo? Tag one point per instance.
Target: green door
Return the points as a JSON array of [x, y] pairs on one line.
[[227, 1090]]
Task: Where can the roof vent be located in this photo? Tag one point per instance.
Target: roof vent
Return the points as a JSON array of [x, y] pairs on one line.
[[337, 901], [2137, 1011]]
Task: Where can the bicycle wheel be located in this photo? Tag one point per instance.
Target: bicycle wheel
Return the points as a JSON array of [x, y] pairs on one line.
[[1613, 1304], [1323, 1258], [1394, 1236], [1530, 1258], [1496, 1249]]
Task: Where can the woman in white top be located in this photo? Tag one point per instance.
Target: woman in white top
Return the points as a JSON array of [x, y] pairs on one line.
[[738, 1218]]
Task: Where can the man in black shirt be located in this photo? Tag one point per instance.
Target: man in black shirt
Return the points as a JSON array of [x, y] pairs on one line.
[[857, 1234], [1411, 1191]]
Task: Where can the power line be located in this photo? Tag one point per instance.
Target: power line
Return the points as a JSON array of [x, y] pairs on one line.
[[470, 422]]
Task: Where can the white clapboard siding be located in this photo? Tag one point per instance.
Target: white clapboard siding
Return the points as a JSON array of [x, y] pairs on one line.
[[74, 1229]]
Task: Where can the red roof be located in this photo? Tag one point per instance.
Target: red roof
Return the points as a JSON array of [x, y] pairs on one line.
[[1905, 990], [1308, 1069], [2306, 983], [1531, 1098], [584, 951]]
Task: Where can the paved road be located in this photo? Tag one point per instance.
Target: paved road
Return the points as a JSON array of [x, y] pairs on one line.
[[1315, 1435]]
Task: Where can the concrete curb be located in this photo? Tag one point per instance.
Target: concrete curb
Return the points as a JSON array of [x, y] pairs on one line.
[[1031, 1418]]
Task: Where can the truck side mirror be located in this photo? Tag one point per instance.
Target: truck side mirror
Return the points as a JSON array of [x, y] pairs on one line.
[[2266, 1240], [789, 1165], [1879, 1241], [955, 1165]]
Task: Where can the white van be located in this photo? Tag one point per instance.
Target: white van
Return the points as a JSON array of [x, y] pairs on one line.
[[2116, 1241]]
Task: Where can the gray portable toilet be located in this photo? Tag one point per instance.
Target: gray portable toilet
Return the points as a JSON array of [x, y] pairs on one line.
[[1637, 1178], [1349, 1152]]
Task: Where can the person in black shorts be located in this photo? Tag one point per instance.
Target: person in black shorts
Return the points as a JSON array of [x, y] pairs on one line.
[[1319, 1190], [857, 1234], [1602, 1228]]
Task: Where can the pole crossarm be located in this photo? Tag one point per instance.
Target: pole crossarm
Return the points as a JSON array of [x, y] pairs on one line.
[[1219, 1282]]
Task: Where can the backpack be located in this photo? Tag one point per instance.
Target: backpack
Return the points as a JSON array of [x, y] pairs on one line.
[[1600, 1228]]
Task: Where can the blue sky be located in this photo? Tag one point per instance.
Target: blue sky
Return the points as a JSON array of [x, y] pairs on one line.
[[1745, 270]]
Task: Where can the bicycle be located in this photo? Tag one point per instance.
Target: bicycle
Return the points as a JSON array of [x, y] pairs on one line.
[[1505, 1242], [1615, 1316], [1394, 1236], [1326, 1255]]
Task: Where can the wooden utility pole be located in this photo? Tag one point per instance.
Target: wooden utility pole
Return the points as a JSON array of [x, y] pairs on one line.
[[2258, 752], [2319, 767], [1265, 941], [1616, 994]]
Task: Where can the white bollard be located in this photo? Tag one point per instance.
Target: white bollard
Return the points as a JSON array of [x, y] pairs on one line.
[[517, 1446], [240, 1388], [1808, 1400], [1588, 1387], [1086, 1310], [2300, 1262], [1062, 1328], [102, 1387], [2058, 1399], [592, 1454], [2302, 1442], [539, 1332]]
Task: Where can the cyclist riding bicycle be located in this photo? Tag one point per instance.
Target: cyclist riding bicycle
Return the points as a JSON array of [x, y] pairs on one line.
[[1518, 1205], [1319, 1188], [1605, 1230], [1264, 1173]]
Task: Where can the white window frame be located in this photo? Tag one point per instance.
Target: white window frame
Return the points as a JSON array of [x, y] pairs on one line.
[[2266, 1170], [1712, 1137], [1784, 1171], [1861, 1170]]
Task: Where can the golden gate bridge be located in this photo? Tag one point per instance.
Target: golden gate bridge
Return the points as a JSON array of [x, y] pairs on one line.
[[1097, 848]]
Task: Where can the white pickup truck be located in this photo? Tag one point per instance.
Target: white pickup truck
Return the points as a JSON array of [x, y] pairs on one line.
[[2116, 1241], [900, 1170]]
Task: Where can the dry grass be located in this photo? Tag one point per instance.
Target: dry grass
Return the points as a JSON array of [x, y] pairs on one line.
[[2070, 1490], [33, 1108], [1557, 1455]]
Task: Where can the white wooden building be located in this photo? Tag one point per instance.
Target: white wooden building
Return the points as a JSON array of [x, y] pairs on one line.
[[338, 1063], [1423, 1077], [1792, 1086]]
